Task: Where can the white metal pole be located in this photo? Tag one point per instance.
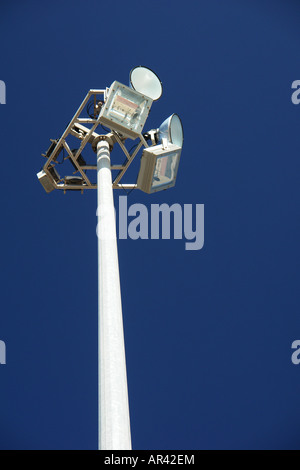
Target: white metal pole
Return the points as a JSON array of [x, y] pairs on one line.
[[114, 421]]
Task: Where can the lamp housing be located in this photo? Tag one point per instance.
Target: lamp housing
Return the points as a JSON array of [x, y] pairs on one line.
[[145, 81], [45, 181], [125, 110], [172, 130], [159, 167]]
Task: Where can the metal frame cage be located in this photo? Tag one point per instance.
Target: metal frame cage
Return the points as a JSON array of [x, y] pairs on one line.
[[84, 129]]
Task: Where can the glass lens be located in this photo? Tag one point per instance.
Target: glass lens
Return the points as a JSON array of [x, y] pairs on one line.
[[127, 108], [176, 131], [165, 170], [146, 82]]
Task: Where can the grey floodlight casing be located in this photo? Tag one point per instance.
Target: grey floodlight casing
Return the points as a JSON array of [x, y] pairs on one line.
[[125, 110], [159, 166], [45, 181]]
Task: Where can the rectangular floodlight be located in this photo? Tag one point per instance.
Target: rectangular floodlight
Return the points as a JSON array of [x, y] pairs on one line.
[[45, 181], [125, 110], [159, 166]]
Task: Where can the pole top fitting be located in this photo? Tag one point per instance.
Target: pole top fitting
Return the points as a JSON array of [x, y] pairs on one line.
[[108, 137]]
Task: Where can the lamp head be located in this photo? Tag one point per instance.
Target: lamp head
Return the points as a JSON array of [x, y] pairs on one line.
[[159, 166], [172, 130], [145, 81], [125, 110]]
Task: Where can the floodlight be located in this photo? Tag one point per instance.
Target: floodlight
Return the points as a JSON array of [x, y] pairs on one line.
[[146, 82], [45, 181], [172, 130], [159, 166], [53, 173], [74, 181], [125, 110], [51, 148]]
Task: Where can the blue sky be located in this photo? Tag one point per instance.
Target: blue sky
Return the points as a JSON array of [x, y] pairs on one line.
[[208, 333]]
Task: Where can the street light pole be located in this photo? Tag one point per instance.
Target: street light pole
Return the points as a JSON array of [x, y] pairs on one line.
[[114, 421], [124, 110]]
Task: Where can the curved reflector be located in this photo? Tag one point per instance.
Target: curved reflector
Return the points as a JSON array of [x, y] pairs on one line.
[[172, 130], [146, 82]]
